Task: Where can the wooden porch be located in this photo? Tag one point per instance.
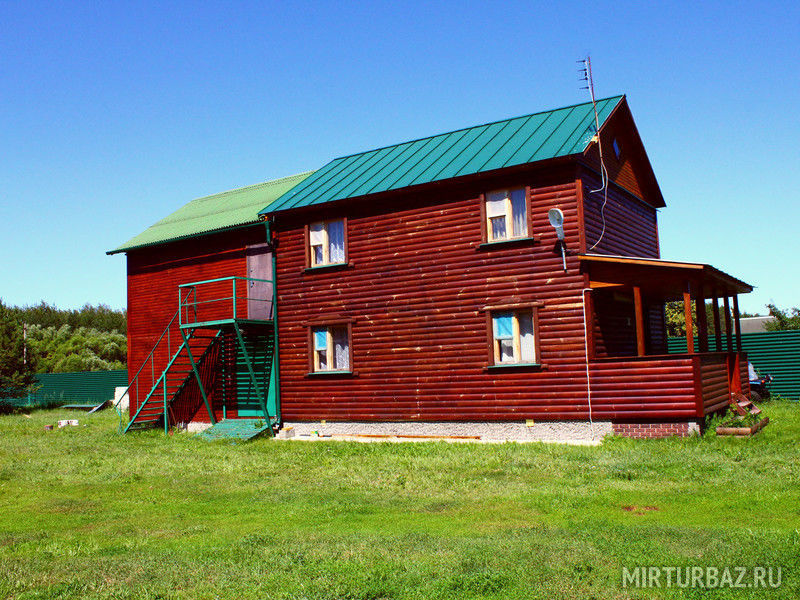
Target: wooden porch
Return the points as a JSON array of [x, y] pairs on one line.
[[631, 373]]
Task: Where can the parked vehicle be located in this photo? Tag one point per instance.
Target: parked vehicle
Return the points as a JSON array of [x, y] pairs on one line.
[[759, 384]]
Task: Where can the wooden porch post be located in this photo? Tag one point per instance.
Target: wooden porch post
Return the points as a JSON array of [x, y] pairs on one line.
[[702, 321], [639, 312], [687, 312], [717, 325], [728, 333], [737, 325]]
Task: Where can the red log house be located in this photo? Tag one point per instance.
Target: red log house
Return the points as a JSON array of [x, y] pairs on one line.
[[503, 280]]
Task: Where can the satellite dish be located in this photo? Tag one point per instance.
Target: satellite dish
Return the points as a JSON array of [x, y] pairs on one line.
[[556, 218]]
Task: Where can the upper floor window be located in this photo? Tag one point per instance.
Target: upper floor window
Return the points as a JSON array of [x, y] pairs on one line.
[[615, 145], [514, 336], [326, 243], [506, 215], [330, 348]]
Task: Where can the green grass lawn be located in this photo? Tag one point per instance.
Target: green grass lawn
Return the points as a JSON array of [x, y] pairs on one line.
[[87, 513]]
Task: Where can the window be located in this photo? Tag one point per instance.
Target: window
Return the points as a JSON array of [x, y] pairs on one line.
[[330, 348], [615, 145], [326, 243], [506, 215], [514, 337]]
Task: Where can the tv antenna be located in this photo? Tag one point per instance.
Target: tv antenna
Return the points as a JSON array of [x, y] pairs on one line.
[[585, 75]]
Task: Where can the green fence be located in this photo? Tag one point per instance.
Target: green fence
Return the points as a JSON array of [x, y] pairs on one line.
[[84, 387], [773, 352]]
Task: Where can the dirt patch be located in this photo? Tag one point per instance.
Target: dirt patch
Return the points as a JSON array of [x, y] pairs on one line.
[[638, 510]]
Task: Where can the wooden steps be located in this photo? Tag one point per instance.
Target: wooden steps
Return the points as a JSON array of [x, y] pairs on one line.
[[743, 406]]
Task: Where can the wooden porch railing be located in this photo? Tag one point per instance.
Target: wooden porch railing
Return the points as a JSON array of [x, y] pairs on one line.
[[670, 386]]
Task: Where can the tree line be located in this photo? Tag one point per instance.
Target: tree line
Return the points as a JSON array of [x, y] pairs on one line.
[[100, 317], [45, 339]]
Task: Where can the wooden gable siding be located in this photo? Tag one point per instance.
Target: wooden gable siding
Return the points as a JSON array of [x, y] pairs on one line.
[[631, 170], [153, 277], [414, 291], [631, 225]]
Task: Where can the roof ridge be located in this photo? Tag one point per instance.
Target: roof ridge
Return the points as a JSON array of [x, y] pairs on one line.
[[252, 186], [216, 212], [533, 114]]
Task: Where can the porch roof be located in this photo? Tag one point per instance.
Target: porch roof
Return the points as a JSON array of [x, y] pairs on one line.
[[664, 277]]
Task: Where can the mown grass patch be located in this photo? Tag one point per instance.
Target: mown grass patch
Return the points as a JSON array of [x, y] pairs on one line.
[[87, 513]]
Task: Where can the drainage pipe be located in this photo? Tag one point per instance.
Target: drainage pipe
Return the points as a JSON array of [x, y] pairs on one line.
[[584, 291]]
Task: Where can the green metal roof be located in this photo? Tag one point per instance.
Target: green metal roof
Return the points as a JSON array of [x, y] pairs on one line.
[[213, 213], [517, 141]]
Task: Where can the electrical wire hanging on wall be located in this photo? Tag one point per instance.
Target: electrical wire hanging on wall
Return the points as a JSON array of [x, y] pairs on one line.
[[587, 77]]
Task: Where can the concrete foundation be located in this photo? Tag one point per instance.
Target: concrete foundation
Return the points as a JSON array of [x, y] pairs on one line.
[[197, 426], [567, 432]]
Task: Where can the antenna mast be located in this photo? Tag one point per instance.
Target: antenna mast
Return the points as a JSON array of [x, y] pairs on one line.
[[585, 74]]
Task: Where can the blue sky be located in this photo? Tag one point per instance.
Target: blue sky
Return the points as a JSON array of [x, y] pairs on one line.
[[115, 114]]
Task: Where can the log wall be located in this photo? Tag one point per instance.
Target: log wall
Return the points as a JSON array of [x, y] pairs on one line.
[[414, 290]]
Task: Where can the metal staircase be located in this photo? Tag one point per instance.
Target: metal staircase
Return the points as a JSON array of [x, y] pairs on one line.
[[155, 409], [208, 348]]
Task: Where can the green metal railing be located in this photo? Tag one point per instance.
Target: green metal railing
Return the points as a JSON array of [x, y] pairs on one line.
[[205, 304], [140, 385], [222, 299]]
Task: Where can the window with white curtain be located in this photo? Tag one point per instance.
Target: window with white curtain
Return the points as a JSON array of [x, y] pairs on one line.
[[330, 347], [513, 336], [506, 215], [326, 243]]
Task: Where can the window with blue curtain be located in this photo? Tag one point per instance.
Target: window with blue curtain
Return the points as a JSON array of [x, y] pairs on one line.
[[504, 336], [514, 338], [330, 348], [320, 336]]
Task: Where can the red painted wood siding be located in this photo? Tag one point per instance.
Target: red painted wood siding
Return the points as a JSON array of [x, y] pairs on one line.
[[648, 388], [631, 225], [415, 289], [715, 389], [153, 278]]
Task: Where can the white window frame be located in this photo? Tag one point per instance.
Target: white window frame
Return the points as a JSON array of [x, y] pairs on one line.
[[325, 243], [507, 214]]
